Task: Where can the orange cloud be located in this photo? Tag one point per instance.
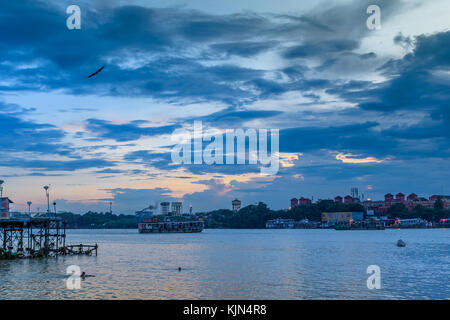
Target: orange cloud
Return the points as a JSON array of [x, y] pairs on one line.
[[351, 158]]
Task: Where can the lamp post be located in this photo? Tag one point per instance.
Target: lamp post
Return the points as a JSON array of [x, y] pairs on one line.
[[110, 207], [29, 203], [54, 207], [48, 198]]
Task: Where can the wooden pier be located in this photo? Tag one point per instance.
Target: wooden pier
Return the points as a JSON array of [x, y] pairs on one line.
[[37, 237], [80, 249]]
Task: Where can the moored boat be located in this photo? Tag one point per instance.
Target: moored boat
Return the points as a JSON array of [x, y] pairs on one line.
[[170, 227]]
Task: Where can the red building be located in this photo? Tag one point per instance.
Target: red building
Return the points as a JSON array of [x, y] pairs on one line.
[[305, 201], [338, 199], [294, 202], [435, 197], [388, 197], [400, 197], [348, 199], [412, 197], [5, 202]]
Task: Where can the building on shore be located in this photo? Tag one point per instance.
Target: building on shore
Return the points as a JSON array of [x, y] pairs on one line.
[[332, 218], [165, 207], [280, 224], [177, 208], [300, 202], [5, 202], [381, 207], [236, 205]]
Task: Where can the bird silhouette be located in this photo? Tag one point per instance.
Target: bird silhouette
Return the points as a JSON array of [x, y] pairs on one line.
[[93, 74]]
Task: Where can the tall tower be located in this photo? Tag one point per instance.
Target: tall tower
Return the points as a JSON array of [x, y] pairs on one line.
[[355, 193], [177, 208], [47, 193], [165, 208], [236, 205]]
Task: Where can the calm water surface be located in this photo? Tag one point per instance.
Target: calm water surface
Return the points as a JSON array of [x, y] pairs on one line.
[[241, 264]]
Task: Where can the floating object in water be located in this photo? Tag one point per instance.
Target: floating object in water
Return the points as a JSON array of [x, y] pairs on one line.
[[401, 243]]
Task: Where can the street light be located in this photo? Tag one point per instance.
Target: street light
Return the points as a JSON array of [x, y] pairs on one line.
[[54, 206], [48, 198]]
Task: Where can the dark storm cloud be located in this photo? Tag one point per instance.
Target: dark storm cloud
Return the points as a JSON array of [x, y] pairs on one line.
[[245, 48], [369, 139], [414, 82], [126, 132], [35, 32], [18, 135], [231, 117], [320, 48], [417, 82], [56, 165], [163, 161]]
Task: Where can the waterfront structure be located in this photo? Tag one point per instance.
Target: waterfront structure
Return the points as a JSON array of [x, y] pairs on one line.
[[153, 226], [32, 236], [165, 207], [236, 205], [5, 202], [381, 207], [280, 224], [147, 212], [331, 218], [412, 223], [177, 208]]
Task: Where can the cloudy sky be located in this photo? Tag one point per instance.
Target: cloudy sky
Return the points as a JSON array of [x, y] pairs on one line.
[[355, 107]]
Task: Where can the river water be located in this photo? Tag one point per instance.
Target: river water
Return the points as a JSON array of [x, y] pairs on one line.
[[241, 264]]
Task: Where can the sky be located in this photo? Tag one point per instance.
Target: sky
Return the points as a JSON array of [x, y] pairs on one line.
[[354, 107]]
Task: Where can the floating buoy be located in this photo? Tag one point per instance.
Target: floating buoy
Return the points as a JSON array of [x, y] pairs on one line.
[[401, 243]]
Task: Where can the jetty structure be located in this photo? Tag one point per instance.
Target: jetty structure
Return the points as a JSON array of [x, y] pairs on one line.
[[35, 237]]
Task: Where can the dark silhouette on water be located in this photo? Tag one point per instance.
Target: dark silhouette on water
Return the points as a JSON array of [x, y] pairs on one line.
[[401, 243], [93, 74], [179, 268], [84, 275]]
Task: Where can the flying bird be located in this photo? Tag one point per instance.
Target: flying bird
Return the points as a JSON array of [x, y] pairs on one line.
[[91, 75]]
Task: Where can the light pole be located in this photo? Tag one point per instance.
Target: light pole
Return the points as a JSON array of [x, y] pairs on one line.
[[48, 198], [29, 203], [110, 207], [54, 207]]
